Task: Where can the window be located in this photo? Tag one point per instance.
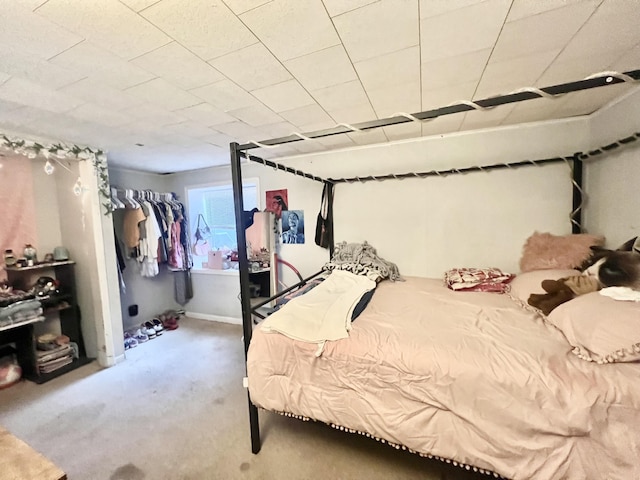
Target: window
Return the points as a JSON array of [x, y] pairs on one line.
[[215, 203]]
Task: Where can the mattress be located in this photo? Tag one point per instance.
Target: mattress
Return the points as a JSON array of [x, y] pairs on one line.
[[468, 376]]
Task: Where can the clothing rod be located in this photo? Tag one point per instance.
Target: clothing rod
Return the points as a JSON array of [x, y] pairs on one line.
[[526, 94]]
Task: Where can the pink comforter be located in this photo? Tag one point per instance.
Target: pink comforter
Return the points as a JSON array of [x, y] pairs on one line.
[[468, 376]]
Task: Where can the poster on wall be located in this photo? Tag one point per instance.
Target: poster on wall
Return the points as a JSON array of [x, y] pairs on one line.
[[293, 226], [277, 201]]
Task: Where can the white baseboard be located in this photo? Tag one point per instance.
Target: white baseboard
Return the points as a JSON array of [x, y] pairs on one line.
[[214, 318]]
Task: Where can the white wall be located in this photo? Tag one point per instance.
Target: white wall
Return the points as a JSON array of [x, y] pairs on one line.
[[613, 181]]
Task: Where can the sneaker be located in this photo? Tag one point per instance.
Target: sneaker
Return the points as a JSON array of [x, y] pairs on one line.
[[129, 341], [157, 326], [140, 336], [147, 328], [168, 322]]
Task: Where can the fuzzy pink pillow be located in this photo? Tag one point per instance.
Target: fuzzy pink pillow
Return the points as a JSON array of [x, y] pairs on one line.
[[543, 251]]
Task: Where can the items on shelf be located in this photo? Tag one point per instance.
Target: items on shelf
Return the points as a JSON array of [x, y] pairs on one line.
[[30, 254], [54, 352]]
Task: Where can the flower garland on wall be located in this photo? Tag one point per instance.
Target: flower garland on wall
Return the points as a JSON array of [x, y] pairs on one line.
[[55, 152]]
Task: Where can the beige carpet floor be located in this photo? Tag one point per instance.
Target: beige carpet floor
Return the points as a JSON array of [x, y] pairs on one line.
[[176, 410]]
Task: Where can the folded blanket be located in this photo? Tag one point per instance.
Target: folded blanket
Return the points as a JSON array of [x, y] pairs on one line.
[[324, 313], [478, 279]]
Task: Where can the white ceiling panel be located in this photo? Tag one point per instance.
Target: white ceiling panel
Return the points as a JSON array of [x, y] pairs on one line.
[[24, 31], [32, 67], [91, 90], [225, 95], [206, 114], [338, 7], [547, 31], [456, 70], [283, 96], [397, 67], [252, 67], [207, 27], [323, 68], [341, 96], [256, 115], [379, 28], [179, 66], [33, 95], [108, 24], [162, 93], [462, 31], [186, 82], [290, 28], [102, 65], [305, 115]]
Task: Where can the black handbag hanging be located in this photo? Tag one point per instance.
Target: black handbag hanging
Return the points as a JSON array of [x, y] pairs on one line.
[[324, 224]]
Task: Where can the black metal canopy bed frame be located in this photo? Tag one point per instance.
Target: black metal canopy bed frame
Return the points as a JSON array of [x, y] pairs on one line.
[[240, 151]]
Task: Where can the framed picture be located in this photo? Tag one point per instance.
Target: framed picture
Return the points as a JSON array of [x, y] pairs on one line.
[[292, 226], [277, 201]]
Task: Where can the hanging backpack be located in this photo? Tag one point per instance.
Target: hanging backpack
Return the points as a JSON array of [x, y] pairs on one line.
[[324, 224], [201, 244]]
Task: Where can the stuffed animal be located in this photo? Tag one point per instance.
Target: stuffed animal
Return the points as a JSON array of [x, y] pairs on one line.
[[561, 291]]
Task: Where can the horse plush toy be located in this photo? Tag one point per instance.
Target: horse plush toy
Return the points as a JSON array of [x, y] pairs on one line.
[[606, 268]]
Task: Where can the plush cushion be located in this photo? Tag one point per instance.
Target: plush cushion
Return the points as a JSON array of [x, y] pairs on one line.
[[527, 283], [600, 329], [546, 251]]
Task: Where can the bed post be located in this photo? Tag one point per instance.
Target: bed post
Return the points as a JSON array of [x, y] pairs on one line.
[[576, 213], [247, 329]]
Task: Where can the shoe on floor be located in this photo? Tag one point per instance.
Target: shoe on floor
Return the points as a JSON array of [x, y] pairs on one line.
[[129, 341], [168, 322], [140, 336], [147, 329], [157, 326]]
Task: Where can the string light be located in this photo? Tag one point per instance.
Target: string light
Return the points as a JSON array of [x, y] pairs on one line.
[[49, 168]]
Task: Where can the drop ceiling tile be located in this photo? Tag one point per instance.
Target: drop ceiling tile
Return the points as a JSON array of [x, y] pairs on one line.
[[378, 29], [500, 78], [162, 93], [154, 116], [208, 28], [282, 129], [179, 66], [4, 77], [338, 7], [354, 114], [32, 67], [564, 70], [403, 131], [91, 90], [283, 96], [479, 27], [308, 27], [101, 65], [628, 61], [206, 114], [240, 6], [324, 68], [543, 32], [252, 67], [527, 8], [33, 95], [239, 131], [398, 67], [21, 118], [398, 98], [138, 5], [613, 26], [97, 114], [22, 30], [587, 102], [336, 141], [341, 96], [533, 110], [460, 69], [225, 95], [109, 24], [256, 115], [188, 129], [485, 118], [220, 139], [429, 8], [305, 115], [8, 106]]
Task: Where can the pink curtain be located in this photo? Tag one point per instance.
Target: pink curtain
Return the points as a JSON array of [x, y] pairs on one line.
[[18, 224]]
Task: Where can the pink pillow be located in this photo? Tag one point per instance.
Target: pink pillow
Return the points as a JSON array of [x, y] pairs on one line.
[[531, 282], [600, 329], [544, 251]]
